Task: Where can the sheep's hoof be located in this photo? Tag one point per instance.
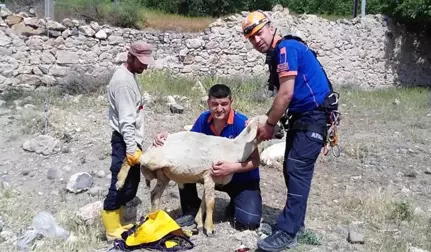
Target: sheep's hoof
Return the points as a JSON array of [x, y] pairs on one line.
[[209, 233], [118, 185]]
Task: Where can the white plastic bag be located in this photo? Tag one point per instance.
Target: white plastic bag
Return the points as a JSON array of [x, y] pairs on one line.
[[43, 225]]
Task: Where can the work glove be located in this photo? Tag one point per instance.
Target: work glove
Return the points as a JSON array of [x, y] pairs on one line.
[[133, 159]]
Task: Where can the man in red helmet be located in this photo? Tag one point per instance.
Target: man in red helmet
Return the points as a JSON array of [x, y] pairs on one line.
[[306, 93]]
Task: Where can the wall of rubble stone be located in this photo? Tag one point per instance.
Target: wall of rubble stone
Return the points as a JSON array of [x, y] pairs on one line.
[[368, 52]]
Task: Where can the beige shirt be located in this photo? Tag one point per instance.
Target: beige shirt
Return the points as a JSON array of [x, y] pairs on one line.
[[125, 110]]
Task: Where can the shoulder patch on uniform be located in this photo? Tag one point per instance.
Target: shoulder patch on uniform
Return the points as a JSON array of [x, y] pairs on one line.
[[284, 67], [283, 55]]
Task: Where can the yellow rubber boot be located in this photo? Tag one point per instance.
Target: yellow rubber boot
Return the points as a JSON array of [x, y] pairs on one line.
[[111, 221]]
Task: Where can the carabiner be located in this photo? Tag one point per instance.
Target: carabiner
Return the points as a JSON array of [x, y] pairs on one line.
[[338, 152]]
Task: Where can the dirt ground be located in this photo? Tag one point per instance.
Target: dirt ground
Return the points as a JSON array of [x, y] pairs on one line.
[[380, 186]]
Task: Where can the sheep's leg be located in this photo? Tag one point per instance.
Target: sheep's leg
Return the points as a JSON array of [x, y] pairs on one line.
[[122, 175], [210, 202], [156, 193], [148, 175], [199, 217]]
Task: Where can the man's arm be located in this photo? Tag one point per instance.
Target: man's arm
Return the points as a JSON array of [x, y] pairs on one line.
[[287, 69], [269, 111], [124, 101], [252, 162], [282, 99]]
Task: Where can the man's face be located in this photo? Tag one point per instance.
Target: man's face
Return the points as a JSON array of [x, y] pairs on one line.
[[261, 40], [220, 107], [137, 66]]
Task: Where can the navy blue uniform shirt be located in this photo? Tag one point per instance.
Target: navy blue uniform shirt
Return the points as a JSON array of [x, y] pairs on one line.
[[311, 86]]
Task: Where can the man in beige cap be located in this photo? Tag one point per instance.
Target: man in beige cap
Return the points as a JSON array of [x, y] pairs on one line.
[[125, 119]]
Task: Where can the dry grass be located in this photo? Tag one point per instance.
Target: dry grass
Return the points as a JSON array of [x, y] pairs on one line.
[[171, 22], [61, 119], [19, 217], [374, 125], [248, 94], [376, 118], [388, 223]]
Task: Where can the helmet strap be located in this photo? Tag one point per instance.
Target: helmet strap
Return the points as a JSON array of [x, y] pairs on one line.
[[270, 52]]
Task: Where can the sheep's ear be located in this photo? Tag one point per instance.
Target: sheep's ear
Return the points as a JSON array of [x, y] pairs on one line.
[[251, 132]]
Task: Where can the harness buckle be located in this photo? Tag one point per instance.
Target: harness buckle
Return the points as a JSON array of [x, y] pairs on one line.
[[284, 120]]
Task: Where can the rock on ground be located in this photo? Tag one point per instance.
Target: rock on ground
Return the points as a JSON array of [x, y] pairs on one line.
[[42, 144], [89, 213], [355, 237], [79, 182]]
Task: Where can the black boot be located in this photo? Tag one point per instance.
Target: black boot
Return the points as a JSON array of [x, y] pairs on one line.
[[185, 220], [277, 241]]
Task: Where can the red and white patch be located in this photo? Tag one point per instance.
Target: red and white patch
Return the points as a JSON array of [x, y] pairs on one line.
[[283, 67]]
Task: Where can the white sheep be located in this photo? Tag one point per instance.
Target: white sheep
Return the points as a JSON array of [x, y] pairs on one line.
[[187, 157]]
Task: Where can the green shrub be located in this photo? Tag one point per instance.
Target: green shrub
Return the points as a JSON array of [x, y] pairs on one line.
[[401, 211], [126, 13]]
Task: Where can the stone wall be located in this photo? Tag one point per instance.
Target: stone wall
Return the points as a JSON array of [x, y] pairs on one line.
[[369, 52]]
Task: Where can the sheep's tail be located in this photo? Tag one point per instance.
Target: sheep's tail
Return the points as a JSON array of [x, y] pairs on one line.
[[122, 175]]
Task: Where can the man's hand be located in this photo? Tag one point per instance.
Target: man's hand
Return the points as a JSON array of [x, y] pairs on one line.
[[221, 169], [160, 139], [133, 158], [265, 132]]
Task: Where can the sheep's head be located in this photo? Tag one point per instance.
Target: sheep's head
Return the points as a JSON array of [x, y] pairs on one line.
[[254, 123]]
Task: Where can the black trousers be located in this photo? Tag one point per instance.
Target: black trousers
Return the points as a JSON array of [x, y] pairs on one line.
[[245, 201], [115, 199]]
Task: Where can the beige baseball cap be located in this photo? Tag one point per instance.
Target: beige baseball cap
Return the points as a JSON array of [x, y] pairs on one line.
[[142, 51]]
